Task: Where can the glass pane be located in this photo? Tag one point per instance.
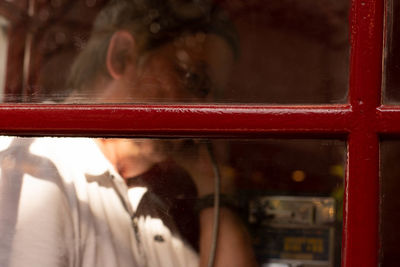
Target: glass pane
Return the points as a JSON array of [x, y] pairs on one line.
[[3, 54], [291, 52], [391, 93], [151, 201], [389, 203]]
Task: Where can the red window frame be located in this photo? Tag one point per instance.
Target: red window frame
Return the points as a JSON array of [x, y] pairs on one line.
[[361, 122]]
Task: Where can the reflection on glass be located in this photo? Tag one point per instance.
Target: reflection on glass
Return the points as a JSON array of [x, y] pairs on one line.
[[3, 54], [151, 201], [389, 203], [178, 51], [391, 80]]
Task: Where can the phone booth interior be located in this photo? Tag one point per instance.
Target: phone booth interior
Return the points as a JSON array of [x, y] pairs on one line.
[[286, 120]]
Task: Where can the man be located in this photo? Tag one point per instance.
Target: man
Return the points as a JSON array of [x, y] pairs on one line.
[[64, 202]]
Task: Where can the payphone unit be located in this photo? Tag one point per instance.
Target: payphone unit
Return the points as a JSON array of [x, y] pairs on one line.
[[293, 231]]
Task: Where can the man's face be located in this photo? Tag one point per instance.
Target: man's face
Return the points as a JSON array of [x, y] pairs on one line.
[[193, 68]]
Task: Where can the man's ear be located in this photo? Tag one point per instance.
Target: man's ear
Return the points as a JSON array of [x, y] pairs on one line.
[[121, 51]]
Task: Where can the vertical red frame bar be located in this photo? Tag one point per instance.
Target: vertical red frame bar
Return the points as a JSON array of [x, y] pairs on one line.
[[361, 211]]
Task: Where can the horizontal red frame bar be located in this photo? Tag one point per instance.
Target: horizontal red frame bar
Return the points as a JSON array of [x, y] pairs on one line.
[[172, 120], [188, 120], [388, 119]]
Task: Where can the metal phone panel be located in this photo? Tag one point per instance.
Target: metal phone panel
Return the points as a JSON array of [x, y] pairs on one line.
[[293, 231]]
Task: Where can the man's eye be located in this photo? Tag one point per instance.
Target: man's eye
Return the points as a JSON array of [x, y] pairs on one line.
[[195, 81], [192, 79]]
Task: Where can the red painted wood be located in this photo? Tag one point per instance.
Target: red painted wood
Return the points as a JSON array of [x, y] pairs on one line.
[[180, 120], [388, 118], [361, 211]]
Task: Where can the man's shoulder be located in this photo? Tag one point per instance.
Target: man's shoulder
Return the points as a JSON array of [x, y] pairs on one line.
[[43, 144], [79, 155], [45, 155]]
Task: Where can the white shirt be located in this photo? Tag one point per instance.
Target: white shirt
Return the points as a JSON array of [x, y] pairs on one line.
[[63, 204]]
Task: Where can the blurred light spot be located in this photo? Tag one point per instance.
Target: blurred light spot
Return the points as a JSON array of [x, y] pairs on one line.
[[155, 28], [298, 176], [336, 170], [228, 172], [182, 55], [331, 212]]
